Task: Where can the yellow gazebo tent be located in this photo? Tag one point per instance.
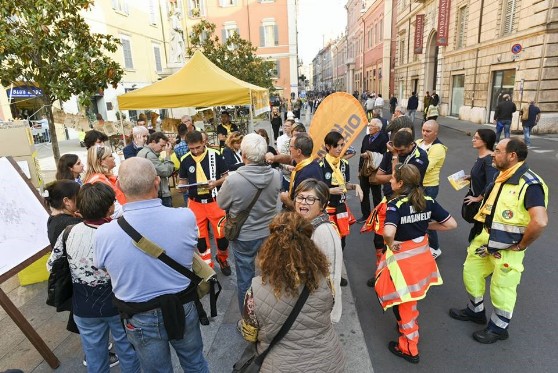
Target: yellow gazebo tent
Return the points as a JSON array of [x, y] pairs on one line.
[[199, 83]]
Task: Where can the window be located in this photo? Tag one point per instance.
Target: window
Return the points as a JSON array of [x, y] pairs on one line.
[[152, 12], [127, 50], [229, 28], [508, 16], [120, 6], [461, 34], [275, 72], [381, 30], [269, 34], [402, 49], [157, 55], [227, 3], [196, 8]]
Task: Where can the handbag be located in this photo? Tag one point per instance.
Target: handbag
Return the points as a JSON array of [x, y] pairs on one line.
[[60, 287], [233, 224], [202, 275], [468, 211], [250, 361]]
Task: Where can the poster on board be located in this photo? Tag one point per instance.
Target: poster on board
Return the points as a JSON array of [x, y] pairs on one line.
[[23, 219]]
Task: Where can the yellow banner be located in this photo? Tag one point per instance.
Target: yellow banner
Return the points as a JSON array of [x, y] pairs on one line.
[[339, 112], [260, 100]]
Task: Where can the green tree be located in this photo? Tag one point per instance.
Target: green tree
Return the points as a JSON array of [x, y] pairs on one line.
[[236, 56], [48, 44]]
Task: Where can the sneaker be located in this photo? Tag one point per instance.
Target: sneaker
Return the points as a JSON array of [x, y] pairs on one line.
[[393, 347], [344, 281], [113, 359], [371, 282], [435, 252], [225, 267]]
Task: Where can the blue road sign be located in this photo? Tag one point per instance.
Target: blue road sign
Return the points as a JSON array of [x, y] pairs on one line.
[[516, 48]]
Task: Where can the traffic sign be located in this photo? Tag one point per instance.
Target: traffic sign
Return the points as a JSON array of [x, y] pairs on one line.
[[516, 48]]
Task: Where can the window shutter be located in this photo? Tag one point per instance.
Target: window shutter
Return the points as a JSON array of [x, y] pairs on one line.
[[276, 31], [509, 11], [126, 6], [224, 35], [157, 53], [262, 36], [277, 67]]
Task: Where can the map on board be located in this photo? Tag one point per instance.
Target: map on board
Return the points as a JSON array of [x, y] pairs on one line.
[[23, 220]]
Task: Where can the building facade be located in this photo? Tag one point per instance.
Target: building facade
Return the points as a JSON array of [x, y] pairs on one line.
[[270, 25], [475, 51]]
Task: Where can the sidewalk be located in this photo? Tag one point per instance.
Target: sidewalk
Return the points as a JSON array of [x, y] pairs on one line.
[[223, 344]]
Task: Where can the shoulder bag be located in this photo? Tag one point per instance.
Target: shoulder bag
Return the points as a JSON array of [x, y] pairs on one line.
[[468, 211], [60, 287], [250, 361], [203, 276], [233, 224]]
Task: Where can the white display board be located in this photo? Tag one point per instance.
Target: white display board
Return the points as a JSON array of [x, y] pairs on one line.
[[23, 220]]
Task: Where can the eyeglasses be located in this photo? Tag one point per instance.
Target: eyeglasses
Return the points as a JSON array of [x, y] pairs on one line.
[[309, 200], [475, 138]]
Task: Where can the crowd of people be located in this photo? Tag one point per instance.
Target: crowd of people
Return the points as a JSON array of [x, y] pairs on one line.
[[289, 247]]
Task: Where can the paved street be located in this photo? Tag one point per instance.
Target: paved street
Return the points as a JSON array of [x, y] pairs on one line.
[[445, 344]]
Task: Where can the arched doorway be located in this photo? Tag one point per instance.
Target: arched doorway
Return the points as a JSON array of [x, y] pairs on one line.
[[431, 63]]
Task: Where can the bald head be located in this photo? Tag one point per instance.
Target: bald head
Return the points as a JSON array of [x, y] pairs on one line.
[[138, 179], [430, 131]]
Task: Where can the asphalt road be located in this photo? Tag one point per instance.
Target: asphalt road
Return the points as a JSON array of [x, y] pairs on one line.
[[447, 344]]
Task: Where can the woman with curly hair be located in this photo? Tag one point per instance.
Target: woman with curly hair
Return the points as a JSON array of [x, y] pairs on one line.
[[289, 260], [100, 163]]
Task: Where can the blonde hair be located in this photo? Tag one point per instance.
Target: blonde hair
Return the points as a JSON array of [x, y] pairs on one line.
[[234, 137], [95, 157]]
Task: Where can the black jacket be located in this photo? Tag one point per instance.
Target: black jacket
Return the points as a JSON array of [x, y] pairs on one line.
[[504, 110], [412, 104]]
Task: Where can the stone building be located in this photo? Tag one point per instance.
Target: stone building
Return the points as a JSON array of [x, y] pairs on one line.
[[486, 49]]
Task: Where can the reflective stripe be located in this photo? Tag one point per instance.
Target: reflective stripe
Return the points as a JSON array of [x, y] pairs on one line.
[[410, 324], [498, 245], [412, 336], [407, 290], [414, 307], [402, 255], [498, 321], [506, 314], [476, 304], [508, 228], [342, 215]]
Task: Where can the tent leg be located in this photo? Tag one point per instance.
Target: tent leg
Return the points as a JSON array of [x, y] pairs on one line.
[[251, 122]]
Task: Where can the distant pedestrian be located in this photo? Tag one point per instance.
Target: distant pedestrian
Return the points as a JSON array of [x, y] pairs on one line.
[[503, 117], [432, 111], [392, 103], [276, 122], [532, 116], [426, 102], [369, 105], [379, 103], [412, 105]]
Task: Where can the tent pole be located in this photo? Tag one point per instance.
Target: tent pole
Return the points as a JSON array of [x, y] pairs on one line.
[[251, 124]]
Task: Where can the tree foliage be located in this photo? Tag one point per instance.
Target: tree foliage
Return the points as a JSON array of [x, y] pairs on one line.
[[48, 44], [236, 56]]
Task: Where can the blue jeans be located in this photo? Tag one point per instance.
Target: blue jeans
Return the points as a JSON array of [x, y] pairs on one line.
[[506, 124], [527, 135], [244, 261], [432, 192], [94, 334], [146, 331]]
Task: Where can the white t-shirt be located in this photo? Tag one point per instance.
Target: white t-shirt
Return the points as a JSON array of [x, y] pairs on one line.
[[379, 102], [283, 143]]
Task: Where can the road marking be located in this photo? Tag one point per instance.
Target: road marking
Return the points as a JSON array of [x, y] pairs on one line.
[[541, 151]]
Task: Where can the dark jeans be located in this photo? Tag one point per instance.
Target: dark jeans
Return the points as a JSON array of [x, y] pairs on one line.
[[376, 190], [432, 192]]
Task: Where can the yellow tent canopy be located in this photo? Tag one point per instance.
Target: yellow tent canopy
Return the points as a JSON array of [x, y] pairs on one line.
[[199, 83]]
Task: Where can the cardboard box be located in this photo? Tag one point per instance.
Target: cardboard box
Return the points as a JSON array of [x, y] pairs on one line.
[[16, 139]]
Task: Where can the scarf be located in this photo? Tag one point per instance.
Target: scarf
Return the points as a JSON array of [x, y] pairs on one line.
[[228, 127], [297, 168], [337, 177], [200, 175], [503, 176]]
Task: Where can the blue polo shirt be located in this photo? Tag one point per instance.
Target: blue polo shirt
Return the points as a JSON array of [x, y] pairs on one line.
[[412, 224], [138, 277]]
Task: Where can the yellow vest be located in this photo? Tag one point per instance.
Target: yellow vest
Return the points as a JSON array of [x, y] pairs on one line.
[[510, 218]]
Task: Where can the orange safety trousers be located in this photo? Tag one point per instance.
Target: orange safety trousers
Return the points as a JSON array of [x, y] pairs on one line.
[[209, 213], [340, 217], [407, 315]]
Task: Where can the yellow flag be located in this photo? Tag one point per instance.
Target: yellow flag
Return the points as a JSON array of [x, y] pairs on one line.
[[339, 112]]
